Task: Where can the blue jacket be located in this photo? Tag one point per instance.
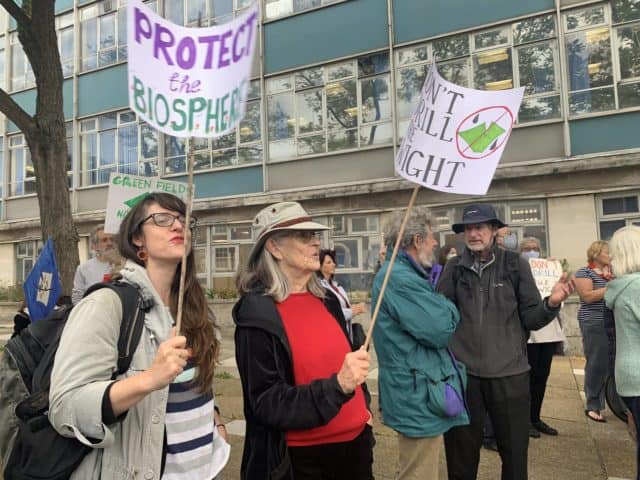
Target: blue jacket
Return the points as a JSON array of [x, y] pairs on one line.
[[417, 377]]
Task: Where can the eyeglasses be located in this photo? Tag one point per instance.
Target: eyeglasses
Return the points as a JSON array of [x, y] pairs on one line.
[[306, 236], [164, 219]]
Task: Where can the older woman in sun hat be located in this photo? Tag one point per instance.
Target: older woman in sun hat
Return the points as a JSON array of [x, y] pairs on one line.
[[303, 400]]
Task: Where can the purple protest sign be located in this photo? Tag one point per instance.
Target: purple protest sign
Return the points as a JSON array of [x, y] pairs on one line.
[[189, 82]]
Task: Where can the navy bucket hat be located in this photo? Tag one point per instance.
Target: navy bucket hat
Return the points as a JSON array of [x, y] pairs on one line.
[[478, 213]]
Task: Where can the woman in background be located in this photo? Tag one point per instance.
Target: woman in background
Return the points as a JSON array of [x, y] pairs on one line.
[[327, 273], [542, 345], [591, 285]]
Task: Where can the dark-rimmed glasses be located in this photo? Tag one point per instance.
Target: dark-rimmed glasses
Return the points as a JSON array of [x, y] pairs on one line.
[[165, 219]]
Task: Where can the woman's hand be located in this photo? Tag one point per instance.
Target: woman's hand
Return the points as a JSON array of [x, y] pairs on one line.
[[359, 308], [354, 371], [169, 362]]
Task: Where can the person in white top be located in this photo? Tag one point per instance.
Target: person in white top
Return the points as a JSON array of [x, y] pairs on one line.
[[94, 270], [326, 274], [542, 345]]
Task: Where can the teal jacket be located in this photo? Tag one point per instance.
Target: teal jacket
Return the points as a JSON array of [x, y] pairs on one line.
[[622, 297], [417, 380]]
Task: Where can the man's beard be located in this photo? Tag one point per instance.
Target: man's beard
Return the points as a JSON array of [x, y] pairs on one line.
[[426, 260]]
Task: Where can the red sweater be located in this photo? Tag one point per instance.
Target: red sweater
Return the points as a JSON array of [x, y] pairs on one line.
[[318, 346]]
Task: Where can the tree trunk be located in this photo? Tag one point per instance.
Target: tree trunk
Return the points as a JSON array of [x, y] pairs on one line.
[[47, 139]]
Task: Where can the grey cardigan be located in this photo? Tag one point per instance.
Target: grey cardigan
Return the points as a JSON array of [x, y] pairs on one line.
[[84, 363]]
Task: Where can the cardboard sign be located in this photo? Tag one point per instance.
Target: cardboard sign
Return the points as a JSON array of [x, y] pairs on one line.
[[546, 273], [189, 82], [127, 190], [456, 136]]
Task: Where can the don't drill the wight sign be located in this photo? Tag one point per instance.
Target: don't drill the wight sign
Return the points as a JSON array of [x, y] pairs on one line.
[[456, 136], [189, 82]]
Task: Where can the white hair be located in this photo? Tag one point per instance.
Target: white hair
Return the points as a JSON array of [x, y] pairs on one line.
[[624, 250], [265, 273]]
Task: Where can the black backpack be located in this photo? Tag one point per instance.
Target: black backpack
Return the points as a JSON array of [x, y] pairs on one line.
[[29, 445]]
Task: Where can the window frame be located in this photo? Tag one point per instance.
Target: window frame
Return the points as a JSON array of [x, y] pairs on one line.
[[275, 87]]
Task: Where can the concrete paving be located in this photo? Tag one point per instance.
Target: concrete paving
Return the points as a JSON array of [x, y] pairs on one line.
[[584, 450]]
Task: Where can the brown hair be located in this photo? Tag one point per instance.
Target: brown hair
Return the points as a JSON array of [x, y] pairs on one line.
[[198, 323]]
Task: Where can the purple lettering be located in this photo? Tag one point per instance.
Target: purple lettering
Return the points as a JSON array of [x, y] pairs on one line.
[[250, 22], [161, 44], [172, 81], [237, 56], [209, 41], [224, 50], [186, 44], [139, 17]]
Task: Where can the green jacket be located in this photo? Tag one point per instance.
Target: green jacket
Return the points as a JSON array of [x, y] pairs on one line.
[[622, 297], [417, 377]]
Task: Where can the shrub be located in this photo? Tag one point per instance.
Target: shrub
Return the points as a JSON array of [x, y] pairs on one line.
[[12, 293]]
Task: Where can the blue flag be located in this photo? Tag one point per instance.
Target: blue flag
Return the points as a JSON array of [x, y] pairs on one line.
[[43, 286]]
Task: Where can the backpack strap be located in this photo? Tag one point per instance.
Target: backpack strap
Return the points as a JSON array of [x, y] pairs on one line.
[[134, 309]]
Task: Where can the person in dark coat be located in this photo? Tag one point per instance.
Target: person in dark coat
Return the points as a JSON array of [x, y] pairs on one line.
[[499, 302], [304, 402]]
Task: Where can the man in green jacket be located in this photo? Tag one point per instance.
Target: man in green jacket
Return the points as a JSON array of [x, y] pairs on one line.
[[421, 385]]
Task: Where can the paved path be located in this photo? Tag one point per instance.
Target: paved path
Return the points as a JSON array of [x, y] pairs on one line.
[[584, 450]]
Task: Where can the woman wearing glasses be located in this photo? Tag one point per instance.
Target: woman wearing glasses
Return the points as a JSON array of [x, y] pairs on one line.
[[158, 419], [303, 400]]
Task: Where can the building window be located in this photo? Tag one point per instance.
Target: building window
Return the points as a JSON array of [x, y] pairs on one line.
[[522, 54], [200, 254], [230, 246], [64, 30], [111, 142], [3, 44], [21, 72], [103, 33], [356, 240], [26, 255], [240, 147], [23, 180], [603, 56], [70, 162], [282, 8], [205, 12], [330, 108], [617, 211]]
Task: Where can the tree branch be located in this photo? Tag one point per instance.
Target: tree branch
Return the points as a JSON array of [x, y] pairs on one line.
[[15, 112], [16, 12]]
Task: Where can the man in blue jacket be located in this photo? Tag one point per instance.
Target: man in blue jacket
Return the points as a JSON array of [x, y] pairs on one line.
[[421, 385], [499, 303]]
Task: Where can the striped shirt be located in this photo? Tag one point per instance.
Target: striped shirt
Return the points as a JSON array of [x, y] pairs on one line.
[[195, 451], [591, 312]]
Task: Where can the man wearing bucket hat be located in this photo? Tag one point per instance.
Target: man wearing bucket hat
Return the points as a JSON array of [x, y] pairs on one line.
[[499, 303], [302, 385]]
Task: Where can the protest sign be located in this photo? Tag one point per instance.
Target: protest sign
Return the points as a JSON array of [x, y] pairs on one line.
[[127, 190], [189, 82], [546, 273], [456, 136]]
